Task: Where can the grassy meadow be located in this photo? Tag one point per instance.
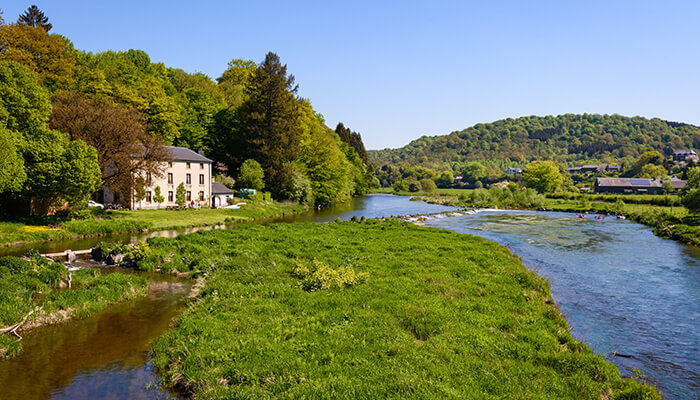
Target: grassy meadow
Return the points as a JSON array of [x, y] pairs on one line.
[[98, 222], [370, 309]]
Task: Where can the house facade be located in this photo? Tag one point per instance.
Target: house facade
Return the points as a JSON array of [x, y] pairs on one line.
[[187, 167]]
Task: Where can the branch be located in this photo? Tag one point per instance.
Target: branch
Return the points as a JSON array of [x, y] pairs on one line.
[[13, 329]]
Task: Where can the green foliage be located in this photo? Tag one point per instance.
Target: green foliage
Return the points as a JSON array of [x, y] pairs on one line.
[[652, 171], [321, 276], [251, 175], [180, 195], [457, 303], [427, 185], [56, 168], [12, 173], [543, 176], [158, 196], [568, 139], [691, 194], [225, 180]]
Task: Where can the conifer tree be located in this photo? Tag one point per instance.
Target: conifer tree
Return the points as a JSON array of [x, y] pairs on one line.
[[35, 17], [269, 126]]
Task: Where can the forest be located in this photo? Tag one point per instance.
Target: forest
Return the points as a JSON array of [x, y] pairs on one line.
[[568, 139], [72, 120]]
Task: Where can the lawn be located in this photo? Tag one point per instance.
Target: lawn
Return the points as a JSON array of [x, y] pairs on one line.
[[111, 222], [371, 310]]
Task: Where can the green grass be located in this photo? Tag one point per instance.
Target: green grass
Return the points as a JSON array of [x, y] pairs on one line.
[[27, 285], [436, 315], [112, 222]]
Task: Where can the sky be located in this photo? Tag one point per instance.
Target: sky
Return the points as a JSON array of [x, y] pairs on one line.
[[398, 70]]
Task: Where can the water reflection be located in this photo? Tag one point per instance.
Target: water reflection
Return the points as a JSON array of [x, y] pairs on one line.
[[101, 357], [621, 288]]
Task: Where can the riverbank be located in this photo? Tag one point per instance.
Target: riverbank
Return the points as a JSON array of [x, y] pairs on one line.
[[105, 223], [367, 310], [39, 292], [670, 220]]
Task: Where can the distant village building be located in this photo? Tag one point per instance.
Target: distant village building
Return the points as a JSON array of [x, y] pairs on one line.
[[220, 195], [635, 185], [600, 168], [514, 171], [686, 155], [458, 180]]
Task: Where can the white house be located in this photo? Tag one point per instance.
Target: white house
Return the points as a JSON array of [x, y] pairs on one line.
[[187, 167], [220, 195]]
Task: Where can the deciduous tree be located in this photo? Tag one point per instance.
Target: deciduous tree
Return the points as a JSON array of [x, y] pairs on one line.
[[50, 57], [158, 196], [251, 175], [180, 195], [691, 193], [124, 148], [543, 176]]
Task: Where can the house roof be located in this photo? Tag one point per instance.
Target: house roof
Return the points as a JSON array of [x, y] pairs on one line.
[[219, 188], [638, 182], [628, 182], [185, 154]]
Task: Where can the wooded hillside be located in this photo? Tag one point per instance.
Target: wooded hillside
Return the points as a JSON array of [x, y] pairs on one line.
[[569, 139]]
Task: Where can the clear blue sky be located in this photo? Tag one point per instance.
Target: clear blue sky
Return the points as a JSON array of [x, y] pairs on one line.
[[397, 70]]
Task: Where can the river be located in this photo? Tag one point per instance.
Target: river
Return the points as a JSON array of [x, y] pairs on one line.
[[620, 287]]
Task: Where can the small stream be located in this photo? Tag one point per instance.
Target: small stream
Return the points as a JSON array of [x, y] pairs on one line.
[[105, 356]]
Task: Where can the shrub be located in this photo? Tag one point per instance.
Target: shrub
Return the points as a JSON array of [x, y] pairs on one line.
[[322, 276]]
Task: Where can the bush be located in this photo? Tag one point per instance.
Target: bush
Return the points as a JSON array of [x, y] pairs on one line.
[[322, 276]]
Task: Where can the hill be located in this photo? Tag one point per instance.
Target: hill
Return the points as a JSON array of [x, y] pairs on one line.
[[568, 138]]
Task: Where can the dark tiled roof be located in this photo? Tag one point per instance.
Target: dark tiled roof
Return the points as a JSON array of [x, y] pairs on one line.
[[219, 188], [185, 154]]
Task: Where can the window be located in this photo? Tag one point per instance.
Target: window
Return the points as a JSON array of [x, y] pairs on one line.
[[189, 196], [170, 164], [170, 178], [149, 181], [201, 179], [188, 166], [148, 196], [201, 196], [188, 179], [170, 196], [201, 165]]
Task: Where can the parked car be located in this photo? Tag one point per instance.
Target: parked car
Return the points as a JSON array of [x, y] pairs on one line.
[[95, 204]]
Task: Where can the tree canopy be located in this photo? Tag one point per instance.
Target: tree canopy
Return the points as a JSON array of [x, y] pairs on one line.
[[543, 176]]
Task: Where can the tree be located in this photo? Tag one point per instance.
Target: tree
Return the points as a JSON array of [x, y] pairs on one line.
[[50, 57], [473, 171], [427, 185], [269, 122], [117, 134], [691, 194], [35, 18], [158, 196], [652, 171], [180, 195], [251, 175], [543, 176], [12, 173], [446, 180], [57, 169]]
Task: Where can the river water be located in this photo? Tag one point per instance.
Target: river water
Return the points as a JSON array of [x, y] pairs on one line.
[[621, 288]]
